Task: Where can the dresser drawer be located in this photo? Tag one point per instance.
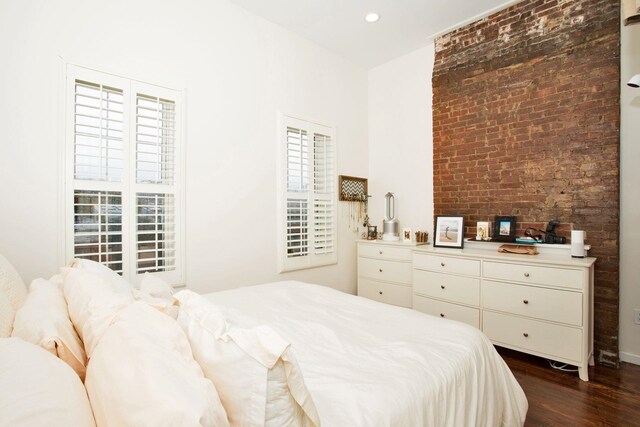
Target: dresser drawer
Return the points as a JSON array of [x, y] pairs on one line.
[[561, 277], [460, 289], [384, 270], [445, 264], [387, 293], [447, 310], [553, 340], [541, 303], [384, 252]]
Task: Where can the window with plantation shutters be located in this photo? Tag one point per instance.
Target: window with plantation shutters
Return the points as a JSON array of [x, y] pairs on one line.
[[309, 203], [122, 174]]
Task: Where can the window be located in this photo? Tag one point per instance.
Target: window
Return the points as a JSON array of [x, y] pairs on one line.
[[123, 183], [309, 203]]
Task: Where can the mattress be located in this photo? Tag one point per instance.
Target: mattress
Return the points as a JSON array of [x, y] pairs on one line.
[[372, 364]]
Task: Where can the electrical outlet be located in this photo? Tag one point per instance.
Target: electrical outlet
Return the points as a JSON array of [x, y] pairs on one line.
[[636, 316]]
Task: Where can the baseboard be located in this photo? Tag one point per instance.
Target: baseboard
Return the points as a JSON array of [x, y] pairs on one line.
[[630, 358]]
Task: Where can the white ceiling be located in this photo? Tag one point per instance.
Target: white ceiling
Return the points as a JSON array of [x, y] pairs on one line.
[[339, 25]]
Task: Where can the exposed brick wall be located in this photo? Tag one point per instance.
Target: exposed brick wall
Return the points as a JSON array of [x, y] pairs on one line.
[[526, 123]]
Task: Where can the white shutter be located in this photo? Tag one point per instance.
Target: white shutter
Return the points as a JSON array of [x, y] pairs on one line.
[[156, 232], [323, 164], [297, 160], [324, 227], [97, 227], [155, 140], [309, 214], [297, 228], [123, 175], [98, 132]]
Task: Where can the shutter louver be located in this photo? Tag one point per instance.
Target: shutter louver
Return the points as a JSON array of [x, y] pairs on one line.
[[323, 164], [297, 228], [98, 130], [97, 227], [155, 140], [297, 160], [323, 217], [156, 232]]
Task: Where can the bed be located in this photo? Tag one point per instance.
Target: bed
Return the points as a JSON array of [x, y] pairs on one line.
[[331, 358]]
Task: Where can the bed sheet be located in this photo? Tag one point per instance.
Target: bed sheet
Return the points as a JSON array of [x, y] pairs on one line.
[[372, 364]]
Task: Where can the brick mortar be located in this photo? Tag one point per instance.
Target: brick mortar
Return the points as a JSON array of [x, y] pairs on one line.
[[535, 132]]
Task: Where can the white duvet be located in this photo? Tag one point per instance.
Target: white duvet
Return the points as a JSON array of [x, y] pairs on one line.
[[372, 364]]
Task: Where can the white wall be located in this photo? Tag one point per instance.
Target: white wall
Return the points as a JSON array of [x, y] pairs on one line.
[[400, 139], [629, 200], [238, 71]]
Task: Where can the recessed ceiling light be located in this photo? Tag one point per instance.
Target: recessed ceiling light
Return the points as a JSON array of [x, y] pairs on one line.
[[371, 17]]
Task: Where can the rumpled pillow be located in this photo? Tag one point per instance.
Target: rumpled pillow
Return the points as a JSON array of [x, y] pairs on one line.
[[44, 320], [142, 374], [38, 389], [7, 314], [252, 367], [93, 300], [13, 293], [117, 281], [158, 294]]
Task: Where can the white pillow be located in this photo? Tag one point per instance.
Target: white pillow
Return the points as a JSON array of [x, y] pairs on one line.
[[7, 314], [118, 282], [158, 294], [155, 286], [13, 292], [253, 368], [142, 373], [38, 389], [44, 320], [93, 300]]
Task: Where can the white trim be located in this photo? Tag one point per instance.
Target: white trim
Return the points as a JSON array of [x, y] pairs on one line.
[[103, 70], [479, 16], [630, 358]]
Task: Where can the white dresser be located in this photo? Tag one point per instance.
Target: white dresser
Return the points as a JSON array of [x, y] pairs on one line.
[[539, 304], [385, 271]]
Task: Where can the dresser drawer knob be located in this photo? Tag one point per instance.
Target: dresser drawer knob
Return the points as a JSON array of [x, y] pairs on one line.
[[380, 270], [380, 252], [526, 335], [441, 286], [441, 314], [526, 274], [380, 292], [442, 264], [526, 301]]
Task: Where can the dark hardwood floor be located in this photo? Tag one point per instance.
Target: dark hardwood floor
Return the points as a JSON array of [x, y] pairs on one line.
[[610, 398]]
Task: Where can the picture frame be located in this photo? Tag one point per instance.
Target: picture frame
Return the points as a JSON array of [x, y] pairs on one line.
[[483, 231], [449, 232], [372, 232], [406, 235], [504, 228]]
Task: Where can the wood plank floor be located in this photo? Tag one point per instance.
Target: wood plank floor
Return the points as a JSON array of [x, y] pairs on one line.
[[610, 398]]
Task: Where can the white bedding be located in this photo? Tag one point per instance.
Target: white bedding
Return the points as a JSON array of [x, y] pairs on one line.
[[372, 364]]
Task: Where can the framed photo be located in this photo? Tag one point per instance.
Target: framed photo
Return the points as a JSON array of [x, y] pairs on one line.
[[482, 231], [372, 232], [449, 232], [406, 235], [505, 229]]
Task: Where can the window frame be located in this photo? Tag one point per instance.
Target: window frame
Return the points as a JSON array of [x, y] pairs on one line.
[[129, 187], [312, 260]]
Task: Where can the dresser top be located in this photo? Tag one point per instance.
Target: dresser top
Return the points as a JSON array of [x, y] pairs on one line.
[[399, 243], [554, 257], [542, 258]]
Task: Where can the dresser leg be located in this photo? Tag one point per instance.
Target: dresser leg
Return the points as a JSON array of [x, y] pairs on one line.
[[584, 373]]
